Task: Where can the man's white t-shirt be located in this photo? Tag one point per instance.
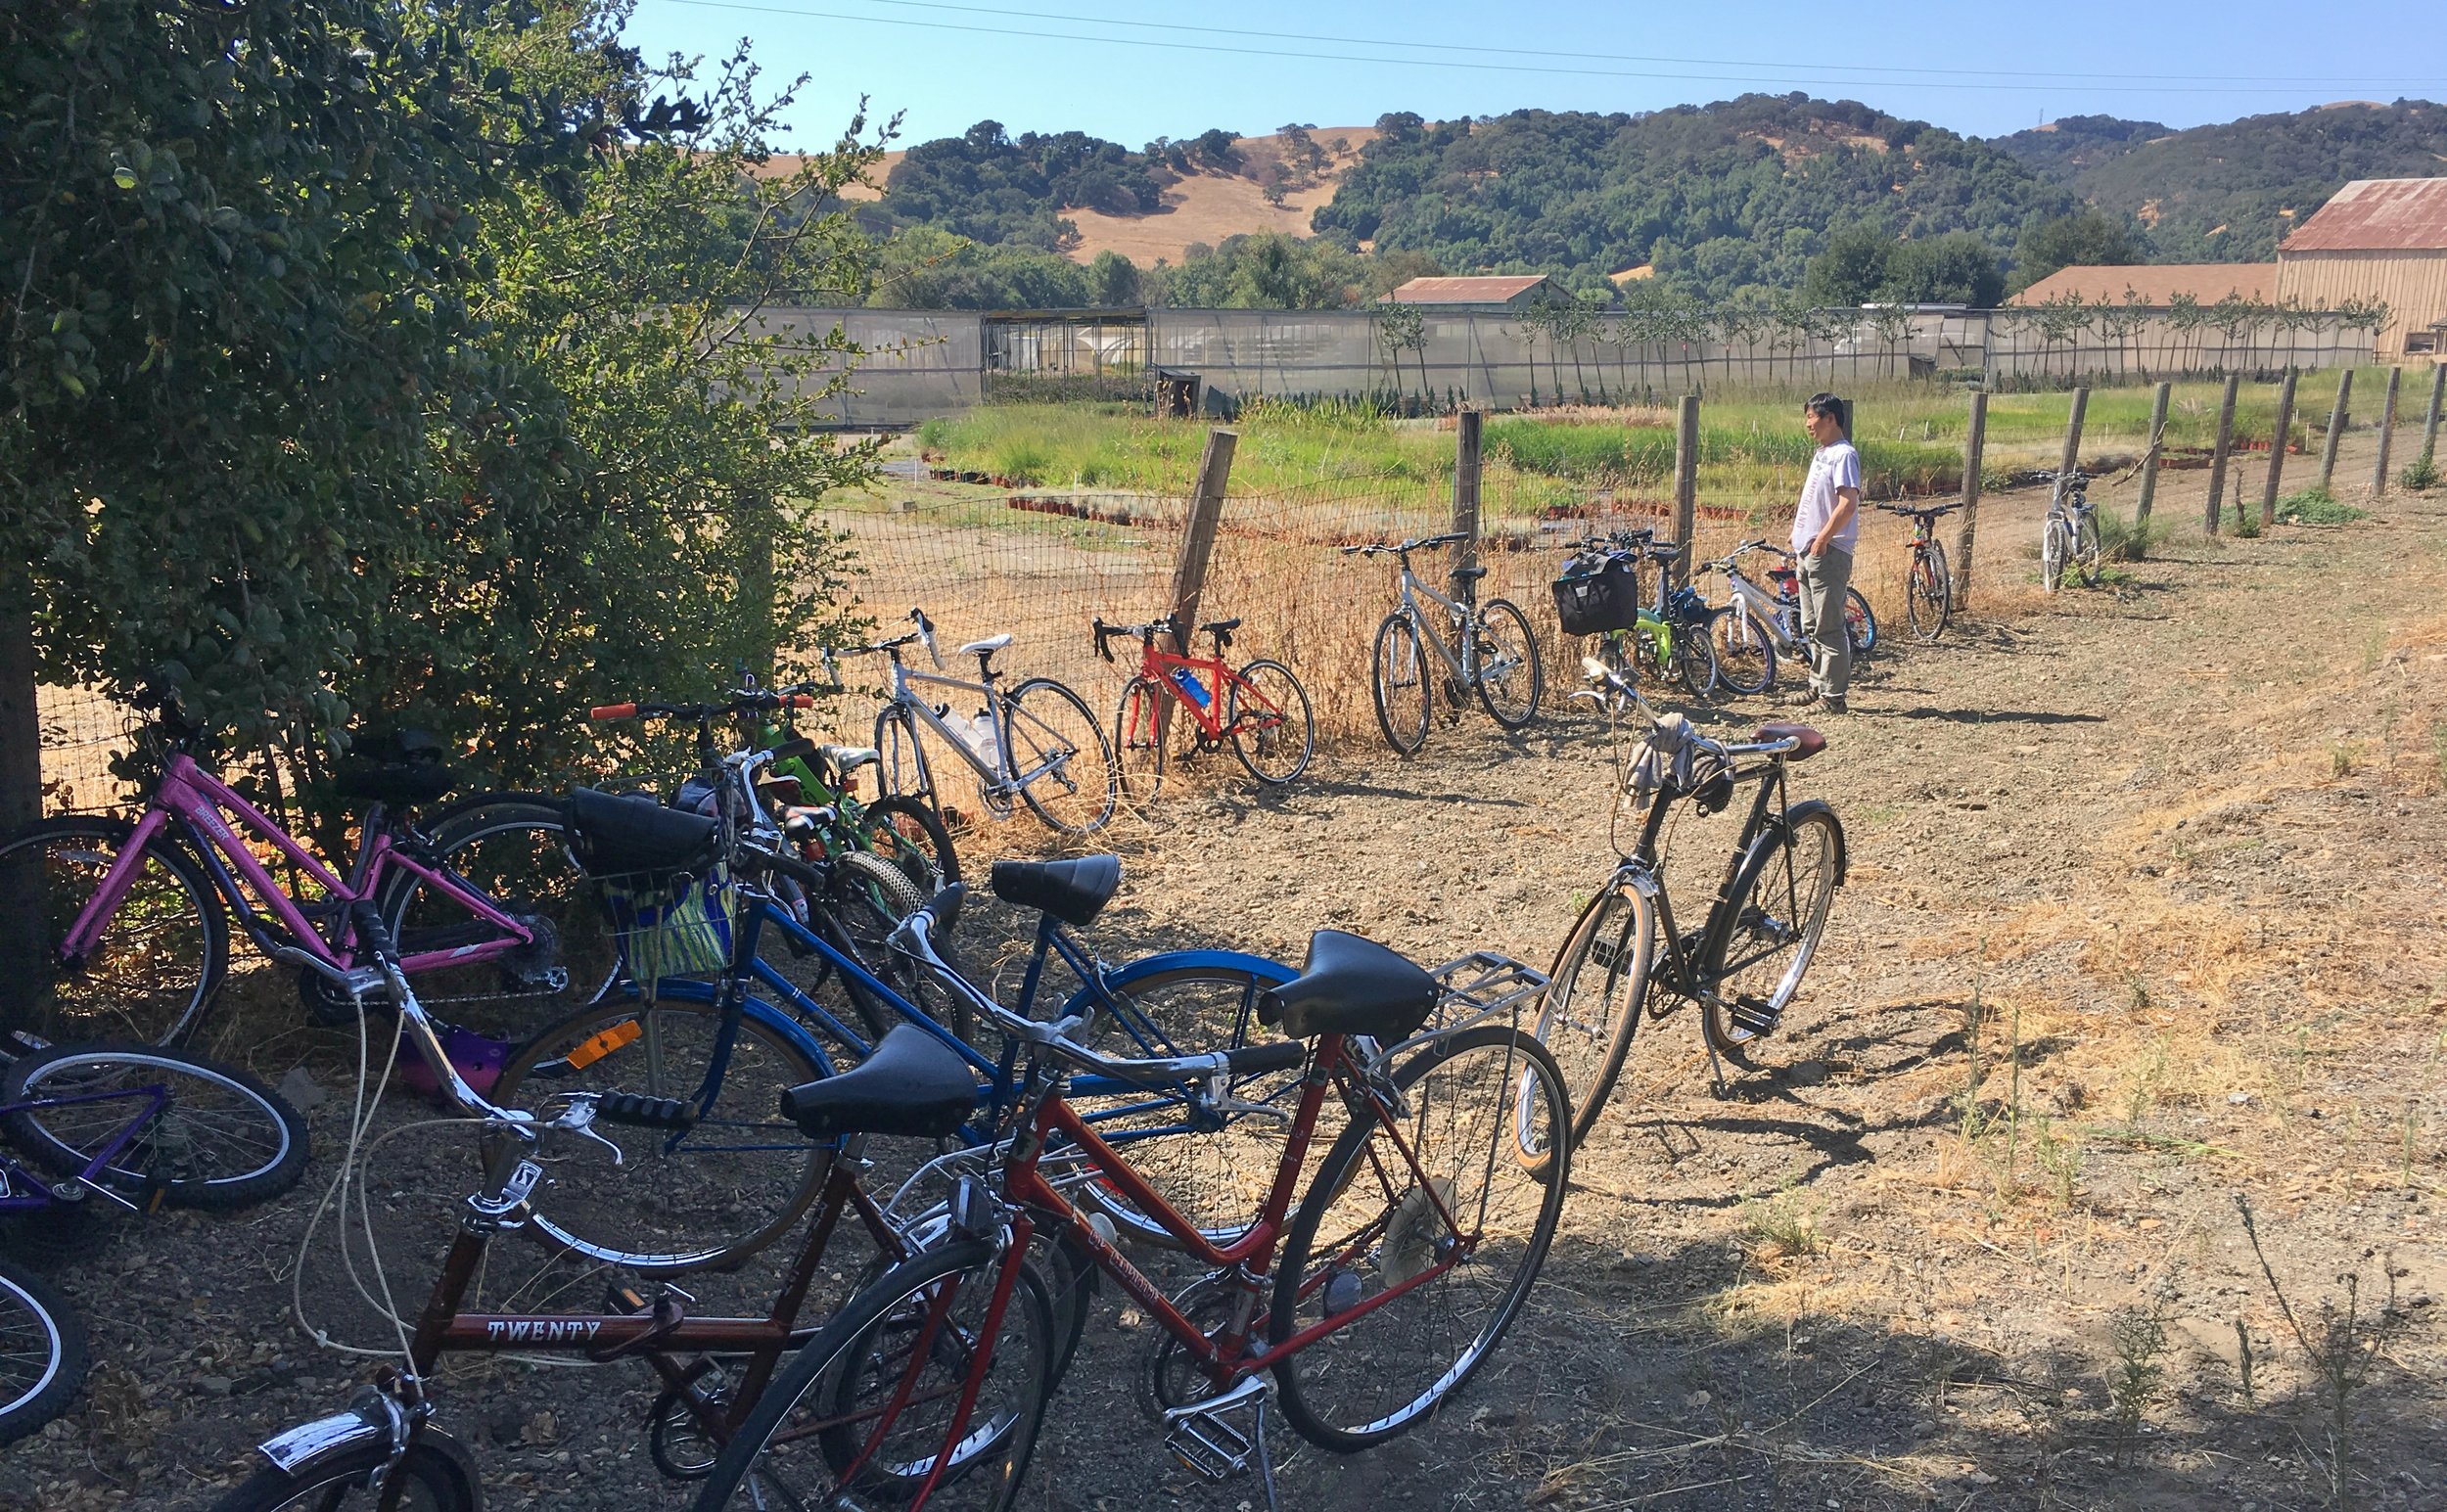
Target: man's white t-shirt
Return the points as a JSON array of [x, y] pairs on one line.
[[1831, 468]]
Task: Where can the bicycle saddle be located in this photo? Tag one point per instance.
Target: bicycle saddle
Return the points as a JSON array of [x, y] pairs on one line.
[[845, 759], [1226, 626], [403, 768], [616, 835], [1351, 986], [913, 1084], [1074, 892], [1811, 742], [986, 647]]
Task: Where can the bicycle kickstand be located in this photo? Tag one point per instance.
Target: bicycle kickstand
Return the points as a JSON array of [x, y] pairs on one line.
[[1717, 1088]]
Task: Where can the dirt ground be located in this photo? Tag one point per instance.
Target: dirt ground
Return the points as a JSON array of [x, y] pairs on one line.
[[2143, 918]]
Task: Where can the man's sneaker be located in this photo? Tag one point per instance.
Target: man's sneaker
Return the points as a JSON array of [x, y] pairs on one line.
[[1806, 697], [1832, 706]]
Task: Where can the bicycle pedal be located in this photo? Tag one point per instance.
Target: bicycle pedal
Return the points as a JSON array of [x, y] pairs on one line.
[[627, 1301], [1205, 1444], [1760, 1020]]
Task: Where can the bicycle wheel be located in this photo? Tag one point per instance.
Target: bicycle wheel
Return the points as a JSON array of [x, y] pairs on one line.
[[719, 1191], [1510, 681], [431, 1478], [2085, 549], [514, 852], [1695, 660], [2055, 544], [1273, 731], [860, 1415], [207, 1137], [1746, 651], [1926, 599], [1779, 902], [909, 834], [1859, 623], [1594, 994], [1046, 725], [150, 975], [1217, 1177], [902, 769], [1424, 1238], [42, 1354], [1139, 725], [1398, 683]]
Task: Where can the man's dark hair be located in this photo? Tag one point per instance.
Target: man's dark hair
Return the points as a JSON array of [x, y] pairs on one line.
[[1824, 404]]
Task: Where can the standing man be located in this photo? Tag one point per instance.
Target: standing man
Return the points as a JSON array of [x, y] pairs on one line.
[[1826, 527]]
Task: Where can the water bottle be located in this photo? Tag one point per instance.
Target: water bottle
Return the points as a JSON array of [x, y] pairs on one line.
[[981, 739], [1191, 688]]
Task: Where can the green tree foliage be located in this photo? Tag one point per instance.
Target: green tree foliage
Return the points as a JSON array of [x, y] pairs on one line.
[[2227, 192], [1957, 268], [1851, 270], [926, 268], [1267, 270], [993, 188], [368, 360], [2088, 238], [1112, 280], [1717, 199]]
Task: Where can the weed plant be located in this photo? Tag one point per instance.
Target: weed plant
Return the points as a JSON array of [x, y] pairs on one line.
[[2317, 506]]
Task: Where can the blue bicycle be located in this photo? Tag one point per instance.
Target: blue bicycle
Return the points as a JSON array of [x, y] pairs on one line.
[[708, 1028]]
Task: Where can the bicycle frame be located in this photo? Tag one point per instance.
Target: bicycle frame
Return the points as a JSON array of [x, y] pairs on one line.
[[1683, 952], [1000, 780], [199, 807], [22, 1190], [1463, 667], [1157, 667]]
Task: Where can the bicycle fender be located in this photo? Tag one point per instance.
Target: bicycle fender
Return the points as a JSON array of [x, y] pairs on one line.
[[1258, 965], [691, 990]]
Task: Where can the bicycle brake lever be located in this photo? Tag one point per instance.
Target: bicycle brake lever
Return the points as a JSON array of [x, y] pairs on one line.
[[579, 1119]]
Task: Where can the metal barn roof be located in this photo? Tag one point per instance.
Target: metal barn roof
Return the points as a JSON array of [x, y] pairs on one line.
[[2378, 214], [1490, 290]]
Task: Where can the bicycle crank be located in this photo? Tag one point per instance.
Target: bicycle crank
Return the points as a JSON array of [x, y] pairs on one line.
[[1207, 1443]]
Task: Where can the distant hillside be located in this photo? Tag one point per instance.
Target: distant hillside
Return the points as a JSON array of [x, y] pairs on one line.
[[1206, 207], [2229, 192]]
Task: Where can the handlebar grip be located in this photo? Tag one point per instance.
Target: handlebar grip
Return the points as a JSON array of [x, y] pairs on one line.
[[1279, 1055], [613, 711], [793, 748], [796, 701], [643, 1111]]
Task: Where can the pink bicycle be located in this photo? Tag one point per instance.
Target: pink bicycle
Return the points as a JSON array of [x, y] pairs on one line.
[[119, 930]]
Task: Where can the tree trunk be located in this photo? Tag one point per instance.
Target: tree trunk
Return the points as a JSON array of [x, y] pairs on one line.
[[24, 937]]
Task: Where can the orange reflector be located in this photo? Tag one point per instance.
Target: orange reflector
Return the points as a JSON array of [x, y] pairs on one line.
[[602, 1043]]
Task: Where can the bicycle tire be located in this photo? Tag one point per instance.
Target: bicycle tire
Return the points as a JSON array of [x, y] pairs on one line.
[[1274, 725], [1752, 644], [766, 1182], [1100, 783], [2087, 549], [1488, 614], [2053, 543], [1859, 622], [874, 897], [1596, 1042], [902, 769], [831, 1365], [1763, 912], [514, 851], [1396, 678], [171, 915], [1396, 1235], [436, 1478], [224, 1141], [1139, 730], [928, 857], [42, 1354], [1695, 660], [1926, 599]]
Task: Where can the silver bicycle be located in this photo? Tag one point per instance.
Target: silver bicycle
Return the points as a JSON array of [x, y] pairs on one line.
[[2069, 536], [1754, 627], [1490, 651], [1036, 744]]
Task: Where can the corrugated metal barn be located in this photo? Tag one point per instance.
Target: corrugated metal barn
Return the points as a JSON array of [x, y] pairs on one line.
[[2382, 239]]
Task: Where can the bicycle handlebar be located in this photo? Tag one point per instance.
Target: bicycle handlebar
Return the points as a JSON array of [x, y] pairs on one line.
[[1170, 624], [926, 633], [1405, 548], [745, 702]]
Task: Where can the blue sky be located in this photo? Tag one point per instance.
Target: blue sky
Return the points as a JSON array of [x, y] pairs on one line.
[[1978, 67]]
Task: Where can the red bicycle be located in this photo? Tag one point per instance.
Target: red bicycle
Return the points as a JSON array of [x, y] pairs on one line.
[[1261, 709]]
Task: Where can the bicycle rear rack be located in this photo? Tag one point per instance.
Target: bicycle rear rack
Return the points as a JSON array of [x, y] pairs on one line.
[[1472, 991]]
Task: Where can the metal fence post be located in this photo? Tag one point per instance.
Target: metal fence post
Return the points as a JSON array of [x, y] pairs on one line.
[[2139, 545], [1974, 446], [2277, 449], [2387, 433], [2217, 457], [1685, 478], [2335, 426]]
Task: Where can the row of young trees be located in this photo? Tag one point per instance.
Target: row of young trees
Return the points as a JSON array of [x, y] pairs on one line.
[[1593, 353], [376, 361]]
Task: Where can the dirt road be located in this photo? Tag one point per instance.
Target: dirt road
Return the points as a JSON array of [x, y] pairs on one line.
[[2144, 913]]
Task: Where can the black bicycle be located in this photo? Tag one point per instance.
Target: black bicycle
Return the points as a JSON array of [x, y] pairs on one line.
[[1627, 957]]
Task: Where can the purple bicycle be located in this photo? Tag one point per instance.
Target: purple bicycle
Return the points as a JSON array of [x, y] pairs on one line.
[[121, 931], [120, 1126]]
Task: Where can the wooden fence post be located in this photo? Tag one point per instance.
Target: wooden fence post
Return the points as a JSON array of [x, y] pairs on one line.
[[2277, 450], [2387, 433], [1190, 570], [1468, 467], [2336, 427], [2429, 426], [2139, 545], [2073, 432], [1975, 447], [25, 932], [2217, 457], [1685, 478]]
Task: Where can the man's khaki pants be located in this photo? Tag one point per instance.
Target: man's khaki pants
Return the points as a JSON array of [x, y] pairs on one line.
[[1824, 580]]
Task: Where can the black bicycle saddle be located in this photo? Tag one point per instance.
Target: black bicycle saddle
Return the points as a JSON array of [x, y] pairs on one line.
[[913, 1084], [1351, 986]]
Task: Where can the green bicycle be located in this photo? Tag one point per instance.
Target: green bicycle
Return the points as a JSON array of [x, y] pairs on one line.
[[1597, 595]]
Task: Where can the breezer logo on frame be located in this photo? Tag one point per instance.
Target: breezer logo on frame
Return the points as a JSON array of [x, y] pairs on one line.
[[540, 1330]]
